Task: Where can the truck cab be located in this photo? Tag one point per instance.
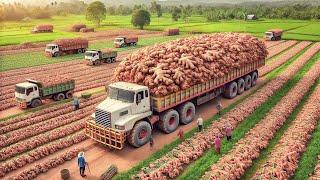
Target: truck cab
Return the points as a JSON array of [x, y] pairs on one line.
[[25, 93], [52, 49], [119, 41], [92, 55], [126, 104]]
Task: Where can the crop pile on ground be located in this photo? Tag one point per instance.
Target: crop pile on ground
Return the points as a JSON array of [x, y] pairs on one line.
[[84, 30], [316, 173], [44, 27], [174, 162], [234, 164], [77, 27], [170, 67], [283, 160]]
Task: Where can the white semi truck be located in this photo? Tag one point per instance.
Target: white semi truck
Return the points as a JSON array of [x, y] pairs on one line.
[[130, 112]]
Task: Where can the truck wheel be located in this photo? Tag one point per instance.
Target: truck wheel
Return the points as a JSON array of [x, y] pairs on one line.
[[134, 44], [240, 85], [68, 95], [79, 51], [56, 54], [272, 39], [36, 103], [113, 60], [122, 45], [169, 121], [109, 60], [187, 112], [231, 90], [254, 78], [247, 82], [140, 134], [59, 97], [84, 50]]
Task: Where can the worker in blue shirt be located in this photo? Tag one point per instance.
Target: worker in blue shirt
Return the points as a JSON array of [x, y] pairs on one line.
[[76, 103], [82, 163]]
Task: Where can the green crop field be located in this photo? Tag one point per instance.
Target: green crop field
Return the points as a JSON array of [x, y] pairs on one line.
[[19, 32]]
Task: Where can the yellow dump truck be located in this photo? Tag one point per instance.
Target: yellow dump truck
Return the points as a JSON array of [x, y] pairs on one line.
[[130, 111]]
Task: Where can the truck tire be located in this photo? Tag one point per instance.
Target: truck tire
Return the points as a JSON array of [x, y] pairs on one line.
[[254, 78], [187, 112], [69, 95], [240, 86], [59, 97], [123, 45], [36, 103], [247, 82], [272, 39], [169, 121], [231, 90], [134, 44], [56, 54], [140, 134], [109, 60], [79, 51], [113, 60]]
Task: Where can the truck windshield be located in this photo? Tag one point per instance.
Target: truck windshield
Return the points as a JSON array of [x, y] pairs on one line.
[[121, 95], [50, 47], [20, 90], [269, 34], [89, 54], [118, 40]]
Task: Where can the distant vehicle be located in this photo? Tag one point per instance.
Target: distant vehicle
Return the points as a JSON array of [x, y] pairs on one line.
[[66, 46], [42, 28], [251, 17], [96, 57], [171, 32], [123, 41], [32, 92], [130, 111], [273, 34]]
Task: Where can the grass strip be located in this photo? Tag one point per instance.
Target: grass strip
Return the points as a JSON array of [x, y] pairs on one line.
[[167, 148], [200, 166], [263, 158]]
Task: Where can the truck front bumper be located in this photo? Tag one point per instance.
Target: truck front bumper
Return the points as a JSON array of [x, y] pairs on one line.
[[112, 138], [21, 104]]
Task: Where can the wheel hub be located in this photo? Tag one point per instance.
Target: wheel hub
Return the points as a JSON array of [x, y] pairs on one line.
[[189, 112], [172, 120], [142, 134]]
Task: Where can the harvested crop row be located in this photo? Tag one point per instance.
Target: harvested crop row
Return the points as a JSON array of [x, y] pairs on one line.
[[284, 57], [41, 152], [234, 164], [177, 65], [316, 173], [279, 48], [27, 121], [176, 160], [41, 139], [270, 44], [284, 159], [37, 169], [20, 134]]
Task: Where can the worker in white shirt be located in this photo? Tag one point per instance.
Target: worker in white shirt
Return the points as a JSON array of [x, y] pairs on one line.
[[200, 124]]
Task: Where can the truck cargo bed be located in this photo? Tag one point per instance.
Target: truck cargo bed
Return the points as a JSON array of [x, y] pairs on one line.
[[160, 104]]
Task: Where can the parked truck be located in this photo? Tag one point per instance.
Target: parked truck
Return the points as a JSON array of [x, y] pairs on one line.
[[96, 57], [273, 34], [66, 46], [130, 111], [42, 28], [32, 92], [123, 41]]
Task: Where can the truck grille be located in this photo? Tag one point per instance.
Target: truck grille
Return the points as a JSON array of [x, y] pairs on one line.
[[103, 118]]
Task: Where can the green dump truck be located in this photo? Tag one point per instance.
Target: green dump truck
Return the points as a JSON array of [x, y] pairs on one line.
[[32, 92], [97, 57]]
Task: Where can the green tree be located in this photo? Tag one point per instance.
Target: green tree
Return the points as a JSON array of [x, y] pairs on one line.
[[140, 18], [176, 13], [159, 10], [96, 12]]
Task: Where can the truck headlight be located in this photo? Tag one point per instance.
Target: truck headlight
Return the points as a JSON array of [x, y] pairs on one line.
[[120, 127]]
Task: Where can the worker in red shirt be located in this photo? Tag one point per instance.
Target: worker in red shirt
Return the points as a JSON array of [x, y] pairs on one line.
[[228, 132], [217, 144], [181, 134]]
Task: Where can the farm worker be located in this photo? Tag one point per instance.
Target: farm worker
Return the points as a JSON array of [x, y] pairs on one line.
[[151, 142], [181, 134], [217, 144], [219, 107], [76, 103], [82, 163], [200, 124], [228, 132]]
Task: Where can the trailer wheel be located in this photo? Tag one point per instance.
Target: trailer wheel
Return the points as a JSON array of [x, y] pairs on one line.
[[231, 90], [113, 60], [36, 103], [79, 51], [134, 44], [59, 97], [254, 78], [109, 60], [240, 86], [272, 39], [56, 54], [247, 82], [187, 112], [169, 121], [140, 134], [123, 45], [69, 95]]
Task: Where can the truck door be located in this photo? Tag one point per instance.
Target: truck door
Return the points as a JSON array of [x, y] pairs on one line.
[[142, 101], [32, 93]]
